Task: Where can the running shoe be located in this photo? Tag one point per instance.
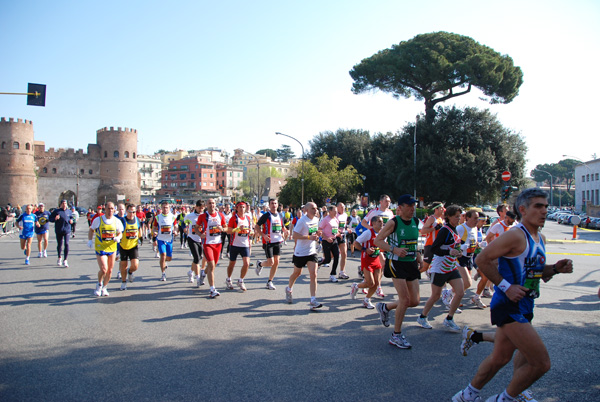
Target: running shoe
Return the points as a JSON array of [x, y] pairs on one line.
[[446, 298], [198, 281], [367, 304], [400, 341], [228, 284], [487, 293], [59, 262], [466, 343], [40, 255], [332, 278], [424, 323], [288, 295], [314, 304], [493, 398], [214, 293], [123, 285], [66, 264], [202, 277], [342, 275], [459, 397], [364, 291], [360, 272], [26, 261], [258, 268], [451, 324], [130, 276], [156, 255], [163, 277], [25, 252], [191, 276], [353, 290], [476, 301], [270, 285], [98, 291], [325, 265], [105, 291], [379, 293], [241, 285], [45, 254], [384, 315], [525, 396], [119, 274]]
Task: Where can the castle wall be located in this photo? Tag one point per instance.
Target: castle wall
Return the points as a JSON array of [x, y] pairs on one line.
[[51, 188], [17, 169]]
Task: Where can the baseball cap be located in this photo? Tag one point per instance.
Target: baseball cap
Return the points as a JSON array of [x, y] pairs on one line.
[[406, 199], [41, 204]]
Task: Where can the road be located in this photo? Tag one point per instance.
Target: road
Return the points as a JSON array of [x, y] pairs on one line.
[[170, 342]]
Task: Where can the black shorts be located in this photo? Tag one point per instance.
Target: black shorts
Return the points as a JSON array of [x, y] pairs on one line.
[[427, 254], [500, 317], [466, 262], [300, 262], [440, 280], [234, 251], [196, 250], [272, 249], [395, 269], [131, 254], [341, 239]]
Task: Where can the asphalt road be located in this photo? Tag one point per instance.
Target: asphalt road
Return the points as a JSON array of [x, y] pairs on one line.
[[170, 342]]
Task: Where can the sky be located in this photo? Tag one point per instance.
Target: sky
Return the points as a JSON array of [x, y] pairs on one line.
[[197, 74]]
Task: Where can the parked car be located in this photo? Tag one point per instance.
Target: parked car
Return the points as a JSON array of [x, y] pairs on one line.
[[594, 223]]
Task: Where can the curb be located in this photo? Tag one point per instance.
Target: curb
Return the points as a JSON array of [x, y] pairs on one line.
[[569, 241]]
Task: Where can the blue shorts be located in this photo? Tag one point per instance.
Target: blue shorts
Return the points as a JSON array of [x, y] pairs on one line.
[[101, 253], [26, 236], [234, 251], [165, 247], [41, 232]]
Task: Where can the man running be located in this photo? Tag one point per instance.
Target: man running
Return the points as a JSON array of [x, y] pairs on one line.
[[163, 229], [430, 229], [129, 246], [104, 235], [399, 238], [209, 226], [75, 219], [271, 230], [195, 245], [342, 218], [330, 227], [27, 223], [240, 229], [62, 219], [306, 233], [467, 232], [521, 257], [370, 262], [42, 231]]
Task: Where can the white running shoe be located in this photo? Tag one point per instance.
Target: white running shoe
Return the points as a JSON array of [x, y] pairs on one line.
[[459, 397], [342, 275], [119, 274], [98, 291], [202, 276], [525, 396], [487, 293], [40, 255], [163, 277], [466, 342], [424, 323], [367, 304], [228, 284], [198, 281], [400, 341], [332, 278], [314, 304], [191, 276], [241, 285], [452, 325], [45, 254], [288, 295], [379, 293], [384, 315], [130, 277], [360, 272], [259, 267], [270, 285], [156, 255], [66, 264], [214, 293], [476, 301], [105, 291], [59, 262], [123, 285], [353, 290]]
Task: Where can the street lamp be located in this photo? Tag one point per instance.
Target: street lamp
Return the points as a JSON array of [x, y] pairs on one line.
[[551, 197], [584, 200], [302, 146], [415, 160]]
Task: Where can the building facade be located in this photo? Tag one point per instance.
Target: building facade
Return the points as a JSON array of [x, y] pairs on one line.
[[587, 185], [150, 168]]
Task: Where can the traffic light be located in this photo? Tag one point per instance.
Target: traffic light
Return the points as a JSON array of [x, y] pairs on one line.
[[507, 191]]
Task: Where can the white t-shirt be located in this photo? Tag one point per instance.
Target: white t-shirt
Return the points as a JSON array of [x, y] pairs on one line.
[[96, 223], [305, 227], [469, 236], [385, 215], [190, 220], [165, 227], [499, 228]]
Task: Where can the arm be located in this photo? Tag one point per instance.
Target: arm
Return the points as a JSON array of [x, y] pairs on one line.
[[380, 242], [428, 226]]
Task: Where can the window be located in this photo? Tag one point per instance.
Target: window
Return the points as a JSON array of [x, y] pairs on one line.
[[126, 154], [583, 178], [204, 175], [587, 177], [204, 184], [583, 196], [597, 199], [134, 155], [116, 154], [54, 170], [27, 146], [182, 176], [211, 175], [212, 184], [105, 154], [3, 144], [192, 176], [90, 171], [230, 174], [15, 145], [45, 170], [82, 171], [596, 176]]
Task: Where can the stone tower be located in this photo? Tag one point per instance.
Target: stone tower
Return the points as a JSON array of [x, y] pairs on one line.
[[18, 178], [118, 165]]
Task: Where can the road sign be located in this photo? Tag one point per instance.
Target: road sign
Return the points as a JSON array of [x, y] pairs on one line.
[[506, 175]]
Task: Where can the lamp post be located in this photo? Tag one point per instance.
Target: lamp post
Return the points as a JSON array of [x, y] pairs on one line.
[[543, 171], [302, 177], [584, 201], [415, 160]]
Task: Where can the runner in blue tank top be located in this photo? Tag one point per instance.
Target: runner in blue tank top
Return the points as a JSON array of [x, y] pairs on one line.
[[521, 257]]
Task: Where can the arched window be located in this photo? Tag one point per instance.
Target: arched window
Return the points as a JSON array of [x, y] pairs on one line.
[[15, 145], [45, 170], [116, 154], [54, 170], [3, 144], [134, 155], [126, 154], [82, 171], [90, 171], [105, 154], [27, 146]]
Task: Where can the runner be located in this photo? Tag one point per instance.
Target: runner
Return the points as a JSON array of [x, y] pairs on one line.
[[129, 246], [444, 269], [330, 227], [226, 236], [399, 238], [353, 222], [521, 258], [430, 229], [467, 232], [139, 213], [181, 224], [62, 228], [306, 233], [209, 226], [104, 234], [272, 232], [42, 231], [342, 218], [163, 229], [369, 261], [240, 229], [27, 222], [195, 245], [75, 219]]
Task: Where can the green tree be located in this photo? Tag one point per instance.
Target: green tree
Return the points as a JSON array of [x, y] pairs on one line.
[[351, 146], [438, 66], [562, 172], [271, 153], [285, 153]]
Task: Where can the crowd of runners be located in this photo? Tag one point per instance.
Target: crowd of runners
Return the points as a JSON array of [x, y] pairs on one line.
[[508, 261]]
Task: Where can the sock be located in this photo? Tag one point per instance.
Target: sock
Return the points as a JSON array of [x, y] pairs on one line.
[[397, 333], [471, 392], [477, 337], [212, 288], [449, 317], [504, 397], [313, 298], [385, 307], [260, 264], [422, 316]]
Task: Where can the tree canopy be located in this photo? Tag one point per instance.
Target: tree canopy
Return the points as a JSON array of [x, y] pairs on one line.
[[271, 153], [437, 66], [285, 153], [562, 172]]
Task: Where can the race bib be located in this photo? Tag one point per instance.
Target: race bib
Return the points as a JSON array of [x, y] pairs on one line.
[[131, 234], [108, 234], [165, 230], [276, 228]]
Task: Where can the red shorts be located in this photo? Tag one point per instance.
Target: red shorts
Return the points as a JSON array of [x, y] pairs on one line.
[[370, 264], [212, 252]]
